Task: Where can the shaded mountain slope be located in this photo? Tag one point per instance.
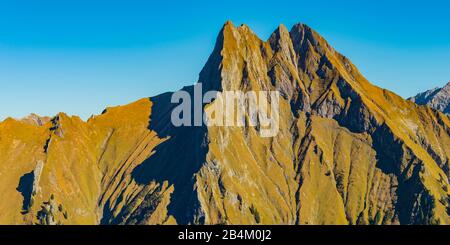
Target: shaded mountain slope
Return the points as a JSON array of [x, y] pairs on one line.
[[347, 152]]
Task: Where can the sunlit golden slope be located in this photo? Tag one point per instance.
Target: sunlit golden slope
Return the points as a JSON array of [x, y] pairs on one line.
[[347, 151]]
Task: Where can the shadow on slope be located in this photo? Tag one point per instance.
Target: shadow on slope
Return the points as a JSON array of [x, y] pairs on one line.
[[175, 160], [25, 187]]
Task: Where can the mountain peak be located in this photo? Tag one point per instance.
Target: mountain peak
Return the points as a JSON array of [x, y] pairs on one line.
[[280, 33], [436, 98], [35, 119], [228, 22], [282, 29], [346, 152], [228, 25]]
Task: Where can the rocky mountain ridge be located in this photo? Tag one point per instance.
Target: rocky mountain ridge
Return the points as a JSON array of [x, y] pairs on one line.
[[437, 98], [347, 152]]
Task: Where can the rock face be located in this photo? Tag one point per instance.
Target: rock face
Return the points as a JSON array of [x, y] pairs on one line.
[[347, 152], [437, 98]]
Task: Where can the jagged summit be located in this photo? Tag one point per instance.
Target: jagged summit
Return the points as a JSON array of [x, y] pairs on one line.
[[35, 119]]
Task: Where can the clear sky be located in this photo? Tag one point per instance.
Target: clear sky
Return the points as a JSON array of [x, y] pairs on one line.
[[81, 56]]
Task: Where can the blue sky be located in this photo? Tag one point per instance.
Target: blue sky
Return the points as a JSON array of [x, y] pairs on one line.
[[81, 56]]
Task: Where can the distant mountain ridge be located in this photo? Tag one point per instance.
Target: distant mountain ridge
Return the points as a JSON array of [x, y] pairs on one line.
[[347, 152], [437, 98]]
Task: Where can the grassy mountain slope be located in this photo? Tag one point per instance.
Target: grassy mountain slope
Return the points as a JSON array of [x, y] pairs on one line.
[[347, 152]]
